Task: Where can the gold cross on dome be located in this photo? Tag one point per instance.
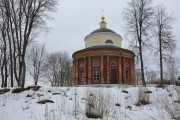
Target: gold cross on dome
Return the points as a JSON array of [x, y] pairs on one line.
[[103, 18]]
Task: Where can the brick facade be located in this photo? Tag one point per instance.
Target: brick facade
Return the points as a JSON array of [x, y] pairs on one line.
[[98, 65]]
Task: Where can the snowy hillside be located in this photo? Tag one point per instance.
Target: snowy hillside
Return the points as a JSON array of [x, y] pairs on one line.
[[79, 103]]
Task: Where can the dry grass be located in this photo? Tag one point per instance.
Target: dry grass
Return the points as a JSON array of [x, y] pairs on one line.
[[143, 97], [177, 89], [173, 109], [18, 90], [162, 86], [147, 92], [167, 108], [95, 106], [34, 88], [177, 101]]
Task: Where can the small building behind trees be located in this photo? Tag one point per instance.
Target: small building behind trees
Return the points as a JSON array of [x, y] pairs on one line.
[[103, 61]]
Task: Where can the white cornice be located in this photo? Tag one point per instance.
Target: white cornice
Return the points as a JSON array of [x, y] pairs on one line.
[[102, 33]]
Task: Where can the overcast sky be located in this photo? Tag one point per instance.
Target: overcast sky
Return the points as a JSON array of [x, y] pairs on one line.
[[77, 18]]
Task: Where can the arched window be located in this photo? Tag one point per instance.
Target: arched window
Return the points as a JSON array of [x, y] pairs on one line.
[[96, 71], [127, 74], [96, 64], [81, 76], [81, 65], [113, 64], [127, 71], [109, 42], [81, 71], [127, 65]]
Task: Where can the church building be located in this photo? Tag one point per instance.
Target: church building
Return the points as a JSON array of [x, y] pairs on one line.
[[103, 61]]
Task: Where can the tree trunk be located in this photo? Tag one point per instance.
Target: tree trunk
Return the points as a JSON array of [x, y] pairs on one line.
[[35, 83], [140, 52], [142, 66], [23, 75], [15, 62], [6, 74], [2, 75], [35, 80], [11, 63], [161, 63]]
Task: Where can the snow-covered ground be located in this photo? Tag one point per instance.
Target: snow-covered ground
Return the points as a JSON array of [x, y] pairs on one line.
[[110, 103]]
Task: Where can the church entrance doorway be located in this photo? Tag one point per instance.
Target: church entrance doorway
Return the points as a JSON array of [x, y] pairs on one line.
[[113, 76]]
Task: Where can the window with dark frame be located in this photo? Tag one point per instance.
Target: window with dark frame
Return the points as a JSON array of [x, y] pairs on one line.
[[109, 42], [81, 73], [96, 71], [113, 64], [81, 77], [81, 65], [127, 65], [127, 74], [127, 71]]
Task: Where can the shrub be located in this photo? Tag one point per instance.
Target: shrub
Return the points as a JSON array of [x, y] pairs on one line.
[[18, 90], [177, 89], [34, 88], [143, 97], [95, 105]]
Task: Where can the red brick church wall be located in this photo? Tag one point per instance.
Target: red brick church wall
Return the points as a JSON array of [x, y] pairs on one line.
[[104, 58]]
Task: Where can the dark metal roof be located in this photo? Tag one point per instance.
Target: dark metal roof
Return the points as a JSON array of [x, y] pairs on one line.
[[102, 30], [103, 46], [103, 22]]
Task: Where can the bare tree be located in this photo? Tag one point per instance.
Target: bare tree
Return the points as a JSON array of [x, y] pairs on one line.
[[138, 77], [164, 34], [138, 18], [23, 20], [171, 70], [36, 55], [4, 51], [58, 69], [151, 76]]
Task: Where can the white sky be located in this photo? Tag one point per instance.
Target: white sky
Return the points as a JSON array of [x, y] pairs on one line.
[[77, 18]]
